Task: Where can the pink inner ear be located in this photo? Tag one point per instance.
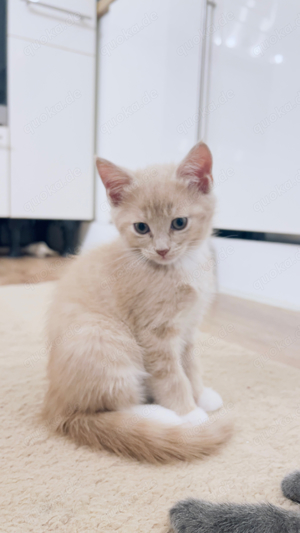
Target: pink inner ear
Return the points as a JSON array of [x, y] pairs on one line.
[[197, 168], [115, 189], [114, 180]]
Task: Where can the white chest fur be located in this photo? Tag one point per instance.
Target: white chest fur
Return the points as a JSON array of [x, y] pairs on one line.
[[197, 269]]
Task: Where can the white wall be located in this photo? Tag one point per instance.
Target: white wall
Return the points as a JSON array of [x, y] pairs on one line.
[[262, 271]]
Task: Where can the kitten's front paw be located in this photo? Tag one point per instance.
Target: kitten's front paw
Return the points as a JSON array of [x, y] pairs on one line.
[[210, 400], [195, 417]]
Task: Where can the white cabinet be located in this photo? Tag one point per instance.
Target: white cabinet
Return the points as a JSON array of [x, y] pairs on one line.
[[254, 135], [4, 172], [51, 93], [52, 128]]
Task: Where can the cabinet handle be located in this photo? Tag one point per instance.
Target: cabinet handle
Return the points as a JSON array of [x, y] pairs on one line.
[[208, 11], [66, 11]]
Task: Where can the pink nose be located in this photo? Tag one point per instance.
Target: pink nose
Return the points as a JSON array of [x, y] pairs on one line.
[[162, 252]]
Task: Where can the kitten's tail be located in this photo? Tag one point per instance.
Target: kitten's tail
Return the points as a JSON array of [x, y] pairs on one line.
[[144, 439]]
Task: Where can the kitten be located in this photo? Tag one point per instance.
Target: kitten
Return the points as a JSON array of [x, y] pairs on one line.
[[197, 516], [125, 316]]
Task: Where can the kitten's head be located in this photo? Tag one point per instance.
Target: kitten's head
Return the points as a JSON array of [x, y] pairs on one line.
[[164, 211]]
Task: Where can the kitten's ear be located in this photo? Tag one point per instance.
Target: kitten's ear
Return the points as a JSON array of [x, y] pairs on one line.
[[197, 168], [114, 179]]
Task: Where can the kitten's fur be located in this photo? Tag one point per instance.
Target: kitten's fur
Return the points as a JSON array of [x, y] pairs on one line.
[[124, 318], [197, 516], [290, 486]]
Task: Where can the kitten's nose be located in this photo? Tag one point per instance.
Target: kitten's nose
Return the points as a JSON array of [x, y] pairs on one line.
[[163, 252]]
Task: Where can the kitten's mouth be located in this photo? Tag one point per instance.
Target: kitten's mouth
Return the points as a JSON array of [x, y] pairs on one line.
[[166, 260]]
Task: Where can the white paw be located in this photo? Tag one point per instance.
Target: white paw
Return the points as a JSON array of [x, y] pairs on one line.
[[210, 400], [195, 417], [153, 411]]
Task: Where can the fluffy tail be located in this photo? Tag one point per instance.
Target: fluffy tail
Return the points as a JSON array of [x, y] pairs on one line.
[[144, 439]]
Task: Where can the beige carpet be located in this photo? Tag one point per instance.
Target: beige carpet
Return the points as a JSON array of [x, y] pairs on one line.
[[48, 484]]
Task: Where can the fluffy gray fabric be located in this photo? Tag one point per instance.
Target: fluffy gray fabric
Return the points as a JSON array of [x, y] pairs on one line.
[[197, 516], [291, 486]]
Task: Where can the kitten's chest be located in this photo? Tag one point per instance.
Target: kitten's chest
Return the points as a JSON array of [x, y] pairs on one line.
[[197, 276], [176, 299], [196, 271]]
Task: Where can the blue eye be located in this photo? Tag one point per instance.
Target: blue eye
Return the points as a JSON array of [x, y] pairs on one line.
[[179, 223], [141, 228]]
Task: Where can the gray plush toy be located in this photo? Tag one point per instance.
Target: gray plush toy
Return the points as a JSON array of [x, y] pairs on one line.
[[198, 516]]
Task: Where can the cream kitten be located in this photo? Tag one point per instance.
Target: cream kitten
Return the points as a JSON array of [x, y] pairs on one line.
[[124, 318]]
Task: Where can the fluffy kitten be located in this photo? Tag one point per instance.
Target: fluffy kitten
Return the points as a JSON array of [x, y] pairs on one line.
[[197, 516], [124, 318]]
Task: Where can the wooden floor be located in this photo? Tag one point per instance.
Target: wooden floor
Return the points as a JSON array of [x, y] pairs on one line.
[[273, 333], [31, 269]]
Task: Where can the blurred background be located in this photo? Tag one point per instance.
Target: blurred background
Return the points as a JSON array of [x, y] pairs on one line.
[[140, 82]]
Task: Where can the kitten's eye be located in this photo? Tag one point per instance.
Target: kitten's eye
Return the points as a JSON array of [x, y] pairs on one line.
[[141, 227], [179, 223]]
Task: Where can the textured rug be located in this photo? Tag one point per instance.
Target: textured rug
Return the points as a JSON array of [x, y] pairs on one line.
[[49, 484]]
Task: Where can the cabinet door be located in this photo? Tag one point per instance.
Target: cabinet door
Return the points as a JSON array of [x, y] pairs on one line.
[[253, 115], [51, 116], [4, 172]]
